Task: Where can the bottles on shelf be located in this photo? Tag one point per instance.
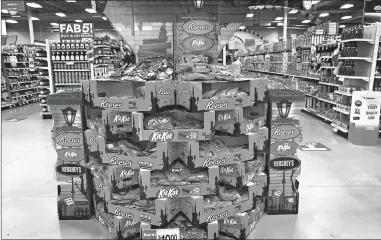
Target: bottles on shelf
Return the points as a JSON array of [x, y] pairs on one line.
[[79, 55], [70, 45], [347, 68], [349, 50], [75, 66], [71, 77], [353, 32]]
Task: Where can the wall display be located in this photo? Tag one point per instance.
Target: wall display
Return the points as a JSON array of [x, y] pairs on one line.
[[365, 118], [67, 139]]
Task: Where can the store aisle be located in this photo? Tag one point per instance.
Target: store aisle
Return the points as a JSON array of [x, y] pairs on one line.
[[340, 190]]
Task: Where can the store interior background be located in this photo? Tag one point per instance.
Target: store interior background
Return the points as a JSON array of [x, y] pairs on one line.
[[334, 203]]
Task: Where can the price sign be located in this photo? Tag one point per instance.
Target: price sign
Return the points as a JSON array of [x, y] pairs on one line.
[[162, 234]]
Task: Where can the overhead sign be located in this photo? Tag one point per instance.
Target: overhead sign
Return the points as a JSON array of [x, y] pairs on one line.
[[372, 7], [313, 146], [76, 31], [14, 6]]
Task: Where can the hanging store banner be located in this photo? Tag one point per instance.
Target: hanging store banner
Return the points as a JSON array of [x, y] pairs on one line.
[[365, 118], [372, 7], [13, 7], [76, 31]]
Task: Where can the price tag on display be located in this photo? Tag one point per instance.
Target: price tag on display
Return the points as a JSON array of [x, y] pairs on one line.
[[162, 234], [335, 129]]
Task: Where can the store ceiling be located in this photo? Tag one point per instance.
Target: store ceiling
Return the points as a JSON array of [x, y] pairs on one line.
[[262, 18]]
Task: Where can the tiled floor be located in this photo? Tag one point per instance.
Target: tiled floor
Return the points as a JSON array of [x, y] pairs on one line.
[[340, 190]]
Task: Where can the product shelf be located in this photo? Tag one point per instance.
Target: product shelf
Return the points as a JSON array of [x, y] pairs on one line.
[[371, 41], [344, 93], [353, 77], [341, 111], [368, 59]]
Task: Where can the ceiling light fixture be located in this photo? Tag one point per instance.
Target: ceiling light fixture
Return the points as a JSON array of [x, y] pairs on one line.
[[347, 6], [293, 11], [198, 3], [78, 20], [324, 15], [242, 27], [54, 24], [306, 21], [280, 24], [4, 11], [11, 21], [279, 19], [35, 18], [346, 17], [16, 16], [342, 26], [90, 10], [70, 1], [61, 14], [270, 27], [34, 5], [250, 15], [104, 18], [315, 2]]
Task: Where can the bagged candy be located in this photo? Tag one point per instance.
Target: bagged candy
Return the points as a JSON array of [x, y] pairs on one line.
[[241, 94], [113, 148], [159, 121], [198, 176], [242, 198], [211, 202], [195, 233], [205, 149], [129, 149], [209, 93], [218, 147], [175, 176], [140, 92], [228, 193], [157, 175]]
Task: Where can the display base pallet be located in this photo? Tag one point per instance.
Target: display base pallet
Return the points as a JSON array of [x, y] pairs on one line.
[[46, 116]]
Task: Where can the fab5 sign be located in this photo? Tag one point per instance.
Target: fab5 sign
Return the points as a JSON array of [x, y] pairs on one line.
[[283, 148], [76, 31]]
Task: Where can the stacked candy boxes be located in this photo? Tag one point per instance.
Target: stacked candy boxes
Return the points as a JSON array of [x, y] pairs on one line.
[[157, 166]]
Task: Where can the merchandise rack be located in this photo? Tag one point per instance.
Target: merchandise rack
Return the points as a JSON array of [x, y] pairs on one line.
[[117, 120], [43, 67], [20, 90], [71, 68]]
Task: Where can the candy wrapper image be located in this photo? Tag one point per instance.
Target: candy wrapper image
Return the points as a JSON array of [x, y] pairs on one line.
[[221, 95], [177, 181]]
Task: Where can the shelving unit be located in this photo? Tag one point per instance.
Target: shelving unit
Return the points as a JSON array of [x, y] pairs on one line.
[[20, 78], [43, 65], [69, 66]]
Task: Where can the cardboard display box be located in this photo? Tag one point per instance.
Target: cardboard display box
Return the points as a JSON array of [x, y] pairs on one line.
[[194, 207], [96, 147], [241, 225], [126, 96], [253, 144], [147, 191], [190, 94], [241, 120]]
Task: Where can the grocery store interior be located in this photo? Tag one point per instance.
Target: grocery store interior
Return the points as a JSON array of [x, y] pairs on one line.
[[122, 119]]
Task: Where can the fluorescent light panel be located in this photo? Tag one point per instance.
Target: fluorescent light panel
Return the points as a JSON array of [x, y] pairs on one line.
[[4, 11], [346, 17], [306, 21], [278, 18], [270, 27], [342, 26], [11, 21], [54, 24], [104, 18], [78, 20], [70, 1], [324, 15], [315, 2], [34, 5], [35, 18], [280, 24], [250, 15], [61, 14], [346, 6], [90, 10], [293, 11]]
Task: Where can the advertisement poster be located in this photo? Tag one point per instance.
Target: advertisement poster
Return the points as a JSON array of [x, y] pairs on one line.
[[76, 31], [365, 118]]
